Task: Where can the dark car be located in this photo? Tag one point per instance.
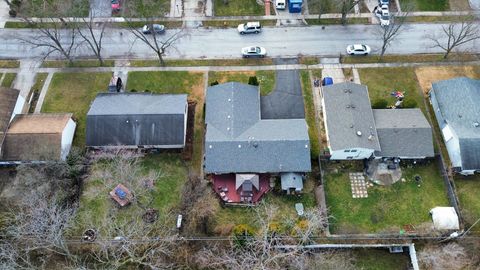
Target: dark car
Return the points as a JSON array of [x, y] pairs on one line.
[[158, 28]]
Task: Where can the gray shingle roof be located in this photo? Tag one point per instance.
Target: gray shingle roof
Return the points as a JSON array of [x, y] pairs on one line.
[[136, 119], [8, 99], [403, 133], [137, 103], [348, 111], [458, 100], [237, 140]]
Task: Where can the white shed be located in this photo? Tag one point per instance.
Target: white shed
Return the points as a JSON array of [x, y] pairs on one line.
[[444, 218]]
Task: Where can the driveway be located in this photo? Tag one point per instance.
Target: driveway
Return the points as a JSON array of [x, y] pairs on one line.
[[100, 8], [286, 100]]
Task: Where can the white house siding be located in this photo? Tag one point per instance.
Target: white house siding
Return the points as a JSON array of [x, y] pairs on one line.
[[18, 107], [185, 118], [346, 154], [67, 138]]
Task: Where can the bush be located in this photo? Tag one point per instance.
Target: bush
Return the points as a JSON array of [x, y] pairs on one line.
[[242, 233], [12, 13], [253, 80], [380, 103], [409, 103], [133, 90], [213, 83], [17, 3]]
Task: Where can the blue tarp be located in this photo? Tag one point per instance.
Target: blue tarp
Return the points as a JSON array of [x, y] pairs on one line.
[[120, 193], [327, 81]]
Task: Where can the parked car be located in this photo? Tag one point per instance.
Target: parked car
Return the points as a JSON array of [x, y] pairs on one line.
[[253, 51], [158, 28], [280, 4], [383, 2], [358, 49], [115, 5], [249, 27], [383, 15]]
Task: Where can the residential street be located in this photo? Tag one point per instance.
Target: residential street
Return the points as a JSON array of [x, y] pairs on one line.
[[226, 43]]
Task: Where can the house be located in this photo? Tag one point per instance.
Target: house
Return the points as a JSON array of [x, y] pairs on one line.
[[349, 123], [38, 137], [11, 104], [356, 131], [456, 106], [403, 133], [240, 145], [137, 120]]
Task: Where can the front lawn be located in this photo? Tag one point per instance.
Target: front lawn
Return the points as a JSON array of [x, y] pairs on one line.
[[238, 8], [176, 82], [97, 208], [387, 209], [73, 93], [8, 79], [425, 5], [266, 78], [468, 189], [382, 81]]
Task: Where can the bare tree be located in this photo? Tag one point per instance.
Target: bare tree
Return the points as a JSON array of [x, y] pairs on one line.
[[388, 33], [346, 6], [449, 256], [55, 35], [455, 35], [92, 35]]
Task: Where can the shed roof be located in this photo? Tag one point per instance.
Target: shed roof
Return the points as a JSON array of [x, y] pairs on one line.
[[349, 117], [45, 123], [237, 140], [137, 103], [403, 133]]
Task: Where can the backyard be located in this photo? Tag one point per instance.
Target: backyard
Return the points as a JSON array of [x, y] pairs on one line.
[[468, 189], [97, 208], [73, 93], [387, 209], [8, 79], [266, 78]]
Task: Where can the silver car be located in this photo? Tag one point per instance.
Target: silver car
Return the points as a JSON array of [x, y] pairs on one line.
[[254, 51], [158, 28]]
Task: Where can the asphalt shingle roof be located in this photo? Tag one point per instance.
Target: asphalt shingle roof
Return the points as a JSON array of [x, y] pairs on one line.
[[349, 113], [403, 133], [8, 99], [238, 141], [458, 100]]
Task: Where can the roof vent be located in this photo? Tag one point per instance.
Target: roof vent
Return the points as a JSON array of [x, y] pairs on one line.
[[239, 146], [345, 90], [229, 100], [476, 124], [210, 146], [228, 116], [348, 106], [459, 116], [370, 138], [255, 144], [228, 128], [359, 133], [353, 106], [351, 126], [306, 145], [350, 91]]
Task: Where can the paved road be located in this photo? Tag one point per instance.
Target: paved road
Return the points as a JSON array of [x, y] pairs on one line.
[[226, 43], [286, 100]]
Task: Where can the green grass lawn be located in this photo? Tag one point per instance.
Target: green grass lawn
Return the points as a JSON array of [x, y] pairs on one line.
[[53, 8], [266, 78], [78, 63], [8, 79], [310, 111], [387, 209], [380, 259], [204, 62], [238, 8], [468, 189], [382, 81], [9, 64], [35, 90], [176, 82], [231, 216], [96, 206], [425, 5], [74, 92], [234, 23]]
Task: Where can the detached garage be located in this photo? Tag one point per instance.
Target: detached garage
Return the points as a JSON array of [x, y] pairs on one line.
[[137, 120]]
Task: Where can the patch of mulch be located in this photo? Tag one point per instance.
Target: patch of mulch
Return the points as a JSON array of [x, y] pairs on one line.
[[188, 149]]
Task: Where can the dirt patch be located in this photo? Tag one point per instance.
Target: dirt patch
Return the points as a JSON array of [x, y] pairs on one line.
[[427, 75], [188, 149]]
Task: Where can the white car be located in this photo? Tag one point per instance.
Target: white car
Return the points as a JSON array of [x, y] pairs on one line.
[[383, 15], [249, 27], [358, 49], [280, 4], [253, 51]]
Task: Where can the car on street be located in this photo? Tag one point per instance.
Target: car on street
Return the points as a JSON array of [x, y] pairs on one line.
[[383, 2], [115, 6], [249, 28], [358, 49], [158, 28], [254, 51]]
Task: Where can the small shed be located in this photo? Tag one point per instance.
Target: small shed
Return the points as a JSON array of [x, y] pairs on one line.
[[295, 6], [291, 181], [445, 218]]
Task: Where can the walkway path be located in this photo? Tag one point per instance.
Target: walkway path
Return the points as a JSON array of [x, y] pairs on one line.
[[176, 8], [43, 93], [26, 76]]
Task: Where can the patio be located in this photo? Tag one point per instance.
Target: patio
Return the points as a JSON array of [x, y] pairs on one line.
[[241, 188]]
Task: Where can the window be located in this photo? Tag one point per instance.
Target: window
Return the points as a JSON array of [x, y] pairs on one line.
[[346, 151], [349, 157], [353, 151]]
